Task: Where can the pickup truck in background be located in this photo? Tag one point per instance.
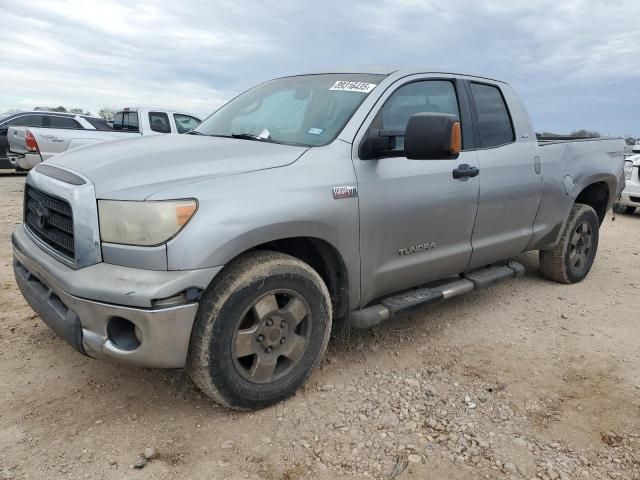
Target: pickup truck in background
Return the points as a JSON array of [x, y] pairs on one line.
[[30, 146], [630, 150], [40, 118], [307, 200]]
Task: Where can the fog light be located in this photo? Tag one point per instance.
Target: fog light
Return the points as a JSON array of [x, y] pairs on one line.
[[124, 334]]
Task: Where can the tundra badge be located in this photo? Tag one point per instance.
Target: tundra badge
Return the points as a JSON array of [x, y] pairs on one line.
[[416, 249], [346, 191]]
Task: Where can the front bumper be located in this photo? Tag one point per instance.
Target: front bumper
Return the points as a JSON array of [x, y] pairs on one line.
[[90, 308]]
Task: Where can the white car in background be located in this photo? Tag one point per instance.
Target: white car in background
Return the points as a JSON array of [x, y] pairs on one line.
[[630, 199], [31, 145]]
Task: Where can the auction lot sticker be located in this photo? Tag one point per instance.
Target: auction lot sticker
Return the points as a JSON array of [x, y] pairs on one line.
[[345, 86]]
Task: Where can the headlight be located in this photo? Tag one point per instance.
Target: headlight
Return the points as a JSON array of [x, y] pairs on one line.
[[628, 169], [143, 223]]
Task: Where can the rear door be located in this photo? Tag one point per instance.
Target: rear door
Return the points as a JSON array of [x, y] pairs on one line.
[[416, 220], [510, 179]]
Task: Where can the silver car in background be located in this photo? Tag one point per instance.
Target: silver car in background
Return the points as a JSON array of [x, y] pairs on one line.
[[630, 199]]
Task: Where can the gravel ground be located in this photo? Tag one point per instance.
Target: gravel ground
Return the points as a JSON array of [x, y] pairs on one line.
[[526, 380]]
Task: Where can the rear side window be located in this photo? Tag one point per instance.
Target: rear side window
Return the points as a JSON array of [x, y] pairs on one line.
[[98, 123], [185, 123], [159, 122], [127, 121], [63, 122], [26, 121], [494, 121]]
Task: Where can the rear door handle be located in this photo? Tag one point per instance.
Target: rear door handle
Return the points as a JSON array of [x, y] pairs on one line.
[[465, 171]]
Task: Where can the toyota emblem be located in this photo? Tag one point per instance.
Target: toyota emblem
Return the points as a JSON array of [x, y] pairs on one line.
[[41, 214]]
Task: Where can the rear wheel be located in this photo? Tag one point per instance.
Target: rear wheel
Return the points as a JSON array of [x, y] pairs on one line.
[[571, 260], [260, 330]]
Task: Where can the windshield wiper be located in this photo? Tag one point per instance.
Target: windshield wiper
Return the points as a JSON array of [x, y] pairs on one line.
[[193, 132], [249, 136]]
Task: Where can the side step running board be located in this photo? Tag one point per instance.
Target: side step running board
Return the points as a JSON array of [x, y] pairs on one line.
[[412, 299]]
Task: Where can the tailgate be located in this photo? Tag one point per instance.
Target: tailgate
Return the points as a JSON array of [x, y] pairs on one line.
[[15, 137]]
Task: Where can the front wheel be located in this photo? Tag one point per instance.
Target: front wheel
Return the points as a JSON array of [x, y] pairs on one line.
[[629, 210], [261, 329], [573, 256]]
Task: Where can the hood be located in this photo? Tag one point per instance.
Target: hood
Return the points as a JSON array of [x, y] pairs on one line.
[[134, 169]]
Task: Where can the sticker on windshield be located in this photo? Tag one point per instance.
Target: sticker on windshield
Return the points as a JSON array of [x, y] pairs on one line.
[[315, 131], [344, 86]]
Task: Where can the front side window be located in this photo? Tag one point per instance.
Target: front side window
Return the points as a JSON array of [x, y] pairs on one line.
[[159, 122], [307, 110], [127, 121], [427, 96], [494, 121], [26, 121], [185, 123]]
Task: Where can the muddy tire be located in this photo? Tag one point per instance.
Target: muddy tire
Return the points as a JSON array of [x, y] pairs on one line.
[[571, 260], [261, 329]]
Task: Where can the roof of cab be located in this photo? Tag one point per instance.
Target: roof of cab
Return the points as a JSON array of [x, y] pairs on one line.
[[401, 72]]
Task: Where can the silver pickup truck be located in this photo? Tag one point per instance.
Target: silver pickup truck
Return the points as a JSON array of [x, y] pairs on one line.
[[30, 146], [305, 201]]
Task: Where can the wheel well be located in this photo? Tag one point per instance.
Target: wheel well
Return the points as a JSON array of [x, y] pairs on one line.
[[596, 196], [325, 260]]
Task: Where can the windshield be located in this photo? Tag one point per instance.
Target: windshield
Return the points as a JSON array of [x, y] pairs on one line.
[[308, 110]]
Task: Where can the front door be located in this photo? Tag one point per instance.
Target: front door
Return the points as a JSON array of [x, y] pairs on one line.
[[416, 219]]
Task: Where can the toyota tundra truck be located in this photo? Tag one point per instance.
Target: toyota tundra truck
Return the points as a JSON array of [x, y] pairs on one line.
[[305, 201]]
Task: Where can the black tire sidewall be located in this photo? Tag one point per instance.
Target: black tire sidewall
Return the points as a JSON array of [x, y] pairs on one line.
[[237, 390], [577, 274]]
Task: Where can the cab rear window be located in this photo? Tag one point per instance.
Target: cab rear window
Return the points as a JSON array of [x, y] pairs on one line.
[[126, 121]]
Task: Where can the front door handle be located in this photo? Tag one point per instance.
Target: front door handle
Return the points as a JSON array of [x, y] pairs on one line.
[[465, 171]]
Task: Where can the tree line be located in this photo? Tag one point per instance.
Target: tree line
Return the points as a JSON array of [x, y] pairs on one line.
[[583, 133], [106, 113]]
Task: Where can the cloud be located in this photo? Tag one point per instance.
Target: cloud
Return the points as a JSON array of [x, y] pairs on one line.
[[573, 62]]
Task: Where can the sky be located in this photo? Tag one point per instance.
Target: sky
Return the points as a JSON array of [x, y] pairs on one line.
[[575, 63]]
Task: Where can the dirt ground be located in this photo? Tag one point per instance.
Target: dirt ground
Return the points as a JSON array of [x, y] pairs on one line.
[[528, 379]]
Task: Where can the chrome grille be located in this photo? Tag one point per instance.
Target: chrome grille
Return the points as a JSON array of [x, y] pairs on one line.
[[50, 219]]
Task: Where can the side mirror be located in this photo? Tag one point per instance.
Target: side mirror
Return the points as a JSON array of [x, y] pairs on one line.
[[432, 136], [376, 143]]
